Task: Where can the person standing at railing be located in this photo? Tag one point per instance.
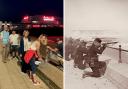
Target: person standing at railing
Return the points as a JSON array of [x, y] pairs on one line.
[[43, 47], [33, 54], [59, 46], [46, 48], [30, 58], [92, 59]]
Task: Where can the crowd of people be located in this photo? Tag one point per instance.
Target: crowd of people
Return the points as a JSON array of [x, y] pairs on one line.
[[85, 54], [26, 51]]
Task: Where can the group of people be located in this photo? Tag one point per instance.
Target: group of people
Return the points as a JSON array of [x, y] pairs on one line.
[[25, 50], [85, 54]]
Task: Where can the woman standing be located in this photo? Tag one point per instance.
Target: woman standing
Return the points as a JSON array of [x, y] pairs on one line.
[[45, 48], [25, 42], [34, 53], [30, 56]]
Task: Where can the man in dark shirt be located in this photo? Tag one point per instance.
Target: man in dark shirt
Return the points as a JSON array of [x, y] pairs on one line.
[[79, 57], [68, 48], [60, 46], [93, 61], [75, 45]]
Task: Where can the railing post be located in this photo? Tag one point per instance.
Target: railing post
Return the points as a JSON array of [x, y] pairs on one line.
[[120, 61]]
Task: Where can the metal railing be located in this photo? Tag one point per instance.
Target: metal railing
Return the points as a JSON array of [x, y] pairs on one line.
[[118, 54], [55, 58]]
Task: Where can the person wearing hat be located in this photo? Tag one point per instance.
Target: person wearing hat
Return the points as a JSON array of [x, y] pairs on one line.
[[93, 61]]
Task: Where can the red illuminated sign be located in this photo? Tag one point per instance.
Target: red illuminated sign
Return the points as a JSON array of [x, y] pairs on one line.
[[35, 26], [26, 17], [48, 18]]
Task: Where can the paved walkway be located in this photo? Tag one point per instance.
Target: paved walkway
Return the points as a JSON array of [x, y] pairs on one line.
[[74, 80], [12, 78]]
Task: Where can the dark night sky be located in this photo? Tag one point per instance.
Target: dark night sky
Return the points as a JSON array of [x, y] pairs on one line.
[[14, 10]]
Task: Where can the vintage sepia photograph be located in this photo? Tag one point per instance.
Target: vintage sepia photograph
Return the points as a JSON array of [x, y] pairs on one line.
[[96, 44]]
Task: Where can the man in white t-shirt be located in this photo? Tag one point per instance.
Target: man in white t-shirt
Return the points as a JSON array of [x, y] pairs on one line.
[[14, 41]]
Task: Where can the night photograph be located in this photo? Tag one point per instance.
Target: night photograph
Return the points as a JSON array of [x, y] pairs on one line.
[[31, 44]]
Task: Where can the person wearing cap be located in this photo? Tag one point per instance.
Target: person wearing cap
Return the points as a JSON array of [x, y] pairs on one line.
[[93, 61]]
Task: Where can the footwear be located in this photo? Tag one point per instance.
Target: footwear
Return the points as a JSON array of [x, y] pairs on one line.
[[30, 79], [36, 83], [16, 58], [13, 56], [4, 61], [95, 75], [75, 66], [23, 73], [85, 75]]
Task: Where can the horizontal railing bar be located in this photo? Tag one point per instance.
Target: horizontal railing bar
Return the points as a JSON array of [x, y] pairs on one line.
[[118, 49]]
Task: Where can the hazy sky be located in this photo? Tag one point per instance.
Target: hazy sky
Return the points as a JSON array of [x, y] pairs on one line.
[[97, 15]]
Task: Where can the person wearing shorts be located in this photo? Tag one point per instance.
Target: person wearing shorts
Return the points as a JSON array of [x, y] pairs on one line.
[[14, 41]]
